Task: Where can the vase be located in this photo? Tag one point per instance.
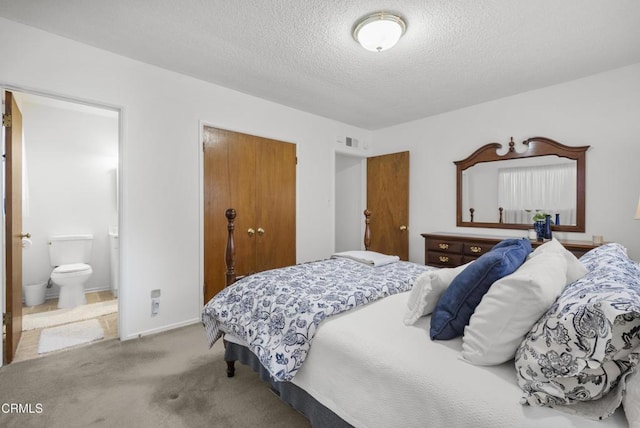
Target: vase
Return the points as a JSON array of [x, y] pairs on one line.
[[539, 227], [547, 226], [557, 219]]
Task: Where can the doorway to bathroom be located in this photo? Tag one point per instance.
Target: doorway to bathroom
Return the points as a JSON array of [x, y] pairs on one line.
[[69, 189]]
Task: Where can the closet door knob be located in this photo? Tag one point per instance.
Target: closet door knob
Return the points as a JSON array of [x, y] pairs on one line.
[[25, 235], [403, 228], [251, 232], [260, 231]]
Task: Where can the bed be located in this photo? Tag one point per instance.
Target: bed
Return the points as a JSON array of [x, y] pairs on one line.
[[378, 364]]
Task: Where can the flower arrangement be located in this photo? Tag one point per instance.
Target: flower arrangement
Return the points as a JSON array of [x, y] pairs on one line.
[[540, 216]]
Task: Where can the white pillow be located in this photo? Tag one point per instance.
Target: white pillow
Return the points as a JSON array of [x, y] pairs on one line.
[[511, 307], [575, 269], [426, 292]]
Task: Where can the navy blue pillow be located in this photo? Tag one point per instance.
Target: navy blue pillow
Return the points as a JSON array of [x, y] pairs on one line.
[[457, 303]]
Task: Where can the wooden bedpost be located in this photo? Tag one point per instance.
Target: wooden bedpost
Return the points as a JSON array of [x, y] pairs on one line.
[[367, 230], [230, 253], [230, 260]]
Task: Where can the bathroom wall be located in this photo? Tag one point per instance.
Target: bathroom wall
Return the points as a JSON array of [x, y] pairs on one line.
[[71, 160]]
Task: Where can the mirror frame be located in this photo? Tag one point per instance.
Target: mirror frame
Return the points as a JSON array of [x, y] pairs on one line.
[[536, 146]]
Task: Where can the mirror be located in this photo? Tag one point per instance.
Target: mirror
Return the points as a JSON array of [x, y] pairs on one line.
[[506, 191]]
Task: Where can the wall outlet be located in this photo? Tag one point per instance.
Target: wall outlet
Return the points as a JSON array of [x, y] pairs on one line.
[[155, 302]]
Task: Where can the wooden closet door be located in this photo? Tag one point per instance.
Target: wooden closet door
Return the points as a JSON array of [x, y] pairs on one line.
[[275, 204], [388, 201], [257, 177], [229, 182]]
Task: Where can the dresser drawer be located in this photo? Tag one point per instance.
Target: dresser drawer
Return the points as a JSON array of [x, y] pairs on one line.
[[476, 249], [444, 259], [444, 246], [450, 250], [467, 259]]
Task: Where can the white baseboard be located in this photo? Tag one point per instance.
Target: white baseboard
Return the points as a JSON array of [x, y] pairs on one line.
[[53, 295], [160, 329]]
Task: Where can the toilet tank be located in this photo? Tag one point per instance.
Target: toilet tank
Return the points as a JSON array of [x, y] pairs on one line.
[[68, 249]]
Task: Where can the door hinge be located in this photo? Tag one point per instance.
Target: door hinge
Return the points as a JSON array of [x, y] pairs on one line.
[[6, 120], [203, 146], [6, 318]]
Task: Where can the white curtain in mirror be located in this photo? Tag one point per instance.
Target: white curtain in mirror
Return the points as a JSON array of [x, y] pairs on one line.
[[550, 189]]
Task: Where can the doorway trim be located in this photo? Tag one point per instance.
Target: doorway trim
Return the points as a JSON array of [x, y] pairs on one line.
[[121, 177]]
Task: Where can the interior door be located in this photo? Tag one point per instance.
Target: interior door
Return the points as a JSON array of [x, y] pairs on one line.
[[12, 122], [229, 182], [276, 208], [388, 201], [257, 177]]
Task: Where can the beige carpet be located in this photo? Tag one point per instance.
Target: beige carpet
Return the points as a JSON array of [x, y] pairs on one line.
[[169, 379]]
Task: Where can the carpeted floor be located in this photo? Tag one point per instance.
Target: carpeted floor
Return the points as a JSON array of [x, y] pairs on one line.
[[169, 379]]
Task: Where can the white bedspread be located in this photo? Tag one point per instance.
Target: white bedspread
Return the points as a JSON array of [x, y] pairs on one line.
[[373, 371]]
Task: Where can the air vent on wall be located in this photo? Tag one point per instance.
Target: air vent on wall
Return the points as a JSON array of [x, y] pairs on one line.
[[348, 142]]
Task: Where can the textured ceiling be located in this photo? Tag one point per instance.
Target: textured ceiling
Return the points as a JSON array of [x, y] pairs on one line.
[[300, 53]]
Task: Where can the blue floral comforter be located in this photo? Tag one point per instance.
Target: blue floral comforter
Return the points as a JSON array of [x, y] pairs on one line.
[[277, 312]]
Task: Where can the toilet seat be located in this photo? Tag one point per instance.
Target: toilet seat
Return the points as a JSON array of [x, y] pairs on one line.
[[73, 269]]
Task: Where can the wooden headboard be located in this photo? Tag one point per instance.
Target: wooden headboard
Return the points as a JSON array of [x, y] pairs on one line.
[[230, 252]]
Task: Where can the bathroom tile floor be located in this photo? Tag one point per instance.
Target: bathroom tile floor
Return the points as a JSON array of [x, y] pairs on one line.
[[28, 346]]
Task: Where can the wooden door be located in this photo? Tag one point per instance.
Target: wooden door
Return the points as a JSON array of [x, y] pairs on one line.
[[388, 201], [276, 204], [229, 182], [257, 177], [13, 225]]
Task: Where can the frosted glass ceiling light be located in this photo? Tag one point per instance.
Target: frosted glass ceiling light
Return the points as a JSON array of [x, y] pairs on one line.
[[379, 31]]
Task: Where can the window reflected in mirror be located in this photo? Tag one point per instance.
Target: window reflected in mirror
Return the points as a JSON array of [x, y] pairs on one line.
[[522, 188], [508, 190]]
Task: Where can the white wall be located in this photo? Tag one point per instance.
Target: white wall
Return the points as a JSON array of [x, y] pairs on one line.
[[602, 111], [160, 155], [349, 212], [71, 160]]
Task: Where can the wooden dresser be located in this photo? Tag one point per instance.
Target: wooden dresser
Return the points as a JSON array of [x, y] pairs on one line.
[[451, 249]]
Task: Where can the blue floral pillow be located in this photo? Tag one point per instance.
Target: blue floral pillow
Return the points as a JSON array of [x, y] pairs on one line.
[[457, 303], [588, 341]]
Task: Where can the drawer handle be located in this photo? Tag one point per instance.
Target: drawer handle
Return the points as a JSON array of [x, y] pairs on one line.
[[476, 249], [443, 246], [443, 259]]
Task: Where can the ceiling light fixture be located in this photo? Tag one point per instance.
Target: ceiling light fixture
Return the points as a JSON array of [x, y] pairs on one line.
[[379, 31]]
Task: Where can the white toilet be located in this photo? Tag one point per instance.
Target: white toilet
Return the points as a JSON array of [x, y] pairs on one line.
[[70, 254]]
